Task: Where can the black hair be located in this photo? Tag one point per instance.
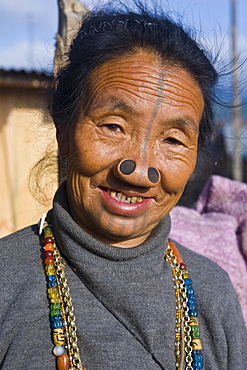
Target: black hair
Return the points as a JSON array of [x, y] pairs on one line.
[[110, 33]]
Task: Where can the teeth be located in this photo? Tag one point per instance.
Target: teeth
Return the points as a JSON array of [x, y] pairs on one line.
[[119, 196], [123, 198]]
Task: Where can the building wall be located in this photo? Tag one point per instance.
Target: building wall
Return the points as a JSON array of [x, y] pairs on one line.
[[25, 133]]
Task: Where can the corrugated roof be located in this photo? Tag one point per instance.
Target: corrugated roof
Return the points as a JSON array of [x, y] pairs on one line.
[[24, 79]]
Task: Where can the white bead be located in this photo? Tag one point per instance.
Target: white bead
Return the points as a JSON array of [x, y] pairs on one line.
[[58, 350]]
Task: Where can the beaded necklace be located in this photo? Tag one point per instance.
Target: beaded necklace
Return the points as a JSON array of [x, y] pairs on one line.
[[62, 320]]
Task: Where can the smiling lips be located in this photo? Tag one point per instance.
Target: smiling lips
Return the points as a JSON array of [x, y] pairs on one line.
[[123, 198], [124, 205]]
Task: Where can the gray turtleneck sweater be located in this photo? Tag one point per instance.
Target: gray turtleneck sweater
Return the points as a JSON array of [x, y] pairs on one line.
[[123, 302]]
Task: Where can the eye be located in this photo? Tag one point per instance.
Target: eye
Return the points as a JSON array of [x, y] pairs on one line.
[[172, 141], [113, 127]]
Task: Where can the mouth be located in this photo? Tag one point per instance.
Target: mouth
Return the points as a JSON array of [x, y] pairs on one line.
[[126, 203], [119, 196]]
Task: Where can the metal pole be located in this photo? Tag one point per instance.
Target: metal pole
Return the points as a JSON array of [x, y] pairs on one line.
[[237, 165]]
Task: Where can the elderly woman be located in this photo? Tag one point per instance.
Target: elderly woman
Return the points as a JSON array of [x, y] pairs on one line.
[[131, 108]]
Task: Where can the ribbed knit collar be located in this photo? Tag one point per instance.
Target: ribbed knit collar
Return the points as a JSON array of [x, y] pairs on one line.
[[69, 234]]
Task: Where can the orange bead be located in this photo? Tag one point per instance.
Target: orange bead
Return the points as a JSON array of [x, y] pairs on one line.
[[176, 252], [63, 362], [49, 247], [49, 260]]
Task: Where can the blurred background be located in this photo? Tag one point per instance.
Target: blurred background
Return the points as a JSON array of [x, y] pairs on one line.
[[27, 51]]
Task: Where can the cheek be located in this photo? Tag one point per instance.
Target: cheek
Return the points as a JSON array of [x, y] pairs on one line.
[[88, 157], [176, 170]]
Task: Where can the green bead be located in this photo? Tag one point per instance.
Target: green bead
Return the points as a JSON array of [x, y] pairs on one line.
[[55, 309], [49, 216], [47, 228], [194, 331]]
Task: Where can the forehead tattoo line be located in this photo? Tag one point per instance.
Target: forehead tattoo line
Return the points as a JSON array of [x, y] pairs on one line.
[[160, 95]]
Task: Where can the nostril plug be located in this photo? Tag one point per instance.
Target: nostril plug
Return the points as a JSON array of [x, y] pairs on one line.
[[127, 167], [153, 175]]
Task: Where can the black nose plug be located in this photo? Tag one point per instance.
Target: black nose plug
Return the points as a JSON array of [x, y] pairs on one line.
[[127, 167], [153, 175]]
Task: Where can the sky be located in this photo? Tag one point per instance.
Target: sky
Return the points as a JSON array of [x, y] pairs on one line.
[[28, 28]]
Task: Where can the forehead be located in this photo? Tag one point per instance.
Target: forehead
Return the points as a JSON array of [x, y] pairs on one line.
[[143, 76]]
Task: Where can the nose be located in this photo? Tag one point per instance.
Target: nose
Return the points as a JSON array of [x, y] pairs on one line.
[[138, 175]]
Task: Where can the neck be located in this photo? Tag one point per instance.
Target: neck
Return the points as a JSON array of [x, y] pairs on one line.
[[119, 243], [69, 232]]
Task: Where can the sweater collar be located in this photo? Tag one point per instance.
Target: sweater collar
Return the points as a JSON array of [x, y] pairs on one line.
[[72, 239]]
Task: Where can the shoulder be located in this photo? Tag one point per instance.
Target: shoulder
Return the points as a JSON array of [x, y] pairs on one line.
[[20, 254], [30, 231], [210, 281], [198, 263], [213, 288], [21, 240], [21, 270], [220, 317]]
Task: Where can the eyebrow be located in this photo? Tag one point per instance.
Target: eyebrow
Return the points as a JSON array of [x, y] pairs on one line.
[[186, 122], [120, 105], [115, 104]]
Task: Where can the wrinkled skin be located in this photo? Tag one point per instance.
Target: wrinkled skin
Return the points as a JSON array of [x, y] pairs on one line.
[[137, 109]]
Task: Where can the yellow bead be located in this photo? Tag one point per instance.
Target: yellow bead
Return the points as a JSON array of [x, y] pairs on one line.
[[50, 269], [196, 344], [193, 321], [56, 300], [48, 233], [53, 292], [186, 276], [58, 336], [184, 272]]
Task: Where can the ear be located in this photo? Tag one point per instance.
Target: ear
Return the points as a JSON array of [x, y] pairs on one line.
[[63, 143]]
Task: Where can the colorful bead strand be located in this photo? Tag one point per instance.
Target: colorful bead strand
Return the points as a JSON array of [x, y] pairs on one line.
[[53, 293], [185, 310], [62, 319]]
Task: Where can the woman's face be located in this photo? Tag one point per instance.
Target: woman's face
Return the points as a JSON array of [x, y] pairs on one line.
[[140, 111]]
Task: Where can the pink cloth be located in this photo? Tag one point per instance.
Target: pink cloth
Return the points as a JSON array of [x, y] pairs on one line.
[[217, 229]]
